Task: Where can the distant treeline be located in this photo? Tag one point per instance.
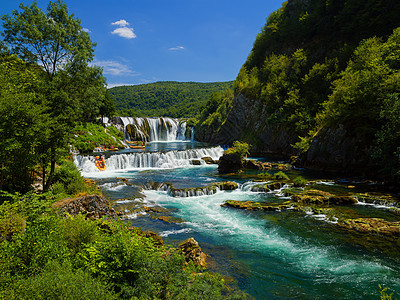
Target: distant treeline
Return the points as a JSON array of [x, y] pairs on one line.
[[166, 98]]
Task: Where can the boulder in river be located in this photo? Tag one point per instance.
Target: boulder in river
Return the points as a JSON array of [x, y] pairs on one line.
[[209, 160], [192, 251], [229, 163], [318, 197]]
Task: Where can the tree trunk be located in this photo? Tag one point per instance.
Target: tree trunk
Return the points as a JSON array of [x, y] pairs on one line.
[[44, 173], [52, 166]]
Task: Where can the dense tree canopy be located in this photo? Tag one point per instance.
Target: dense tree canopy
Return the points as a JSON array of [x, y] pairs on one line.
[[167, 99], [53, 81]]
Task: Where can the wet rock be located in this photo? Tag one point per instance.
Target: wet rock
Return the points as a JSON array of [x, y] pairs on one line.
[[253, 165], [92, 206], [170, 219], [209, 160], [229, 163], [317, 197], [195, 162], [123, 179], [250, 205], [158, 241], [375, 226], [155, 209], [192, 252], [201, 191], [226, 185], [260, 188]]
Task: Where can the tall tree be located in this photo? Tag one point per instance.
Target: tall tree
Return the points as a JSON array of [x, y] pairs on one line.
[[22, 122], [73, 90]]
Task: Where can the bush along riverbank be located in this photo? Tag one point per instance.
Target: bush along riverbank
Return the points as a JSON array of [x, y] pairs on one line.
[[69, 243]]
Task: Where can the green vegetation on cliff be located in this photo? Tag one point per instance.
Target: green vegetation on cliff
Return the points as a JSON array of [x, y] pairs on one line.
[[166, 98], [322, 74]]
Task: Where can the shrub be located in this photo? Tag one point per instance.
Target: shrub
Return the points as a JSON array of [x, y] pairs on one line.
[[11, 223], [299, 181], [265, 176], [69, 176], [78, 231], [240, 149], [280, 176], [60, 281]]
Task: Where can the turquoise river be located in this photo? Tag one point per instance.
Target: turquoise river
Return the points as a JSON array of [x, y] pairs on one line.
[[270, 255]]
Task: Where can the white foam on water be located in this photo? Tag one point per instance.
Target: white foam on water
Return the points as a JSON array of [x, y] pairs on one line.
[[112, 186], [120, 164], [240, 230], [166, 233]]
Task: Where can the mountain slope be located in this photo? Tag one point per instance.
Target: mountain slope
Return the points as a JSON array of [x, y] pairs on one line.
[[166, 98], [322, 82]]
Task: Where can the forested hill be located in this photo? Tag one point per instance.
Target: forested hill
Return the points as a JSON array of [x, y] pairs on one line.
[[322, 82], [165, 98]]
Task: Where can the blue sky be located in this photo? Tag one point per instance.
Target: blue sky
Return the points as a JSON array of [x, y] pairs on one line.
[[141, 41]]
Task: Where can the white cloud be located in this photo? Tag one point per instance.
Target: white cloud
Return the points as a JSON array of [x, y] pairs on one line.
[[86, 30], [115, 68], [111, 85], [177, 48], [125, 32], [122, 23]]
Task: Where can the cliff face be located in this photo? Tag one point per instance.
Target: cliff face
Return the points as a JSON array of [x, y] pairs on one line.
[[247, 122], [337, 150]]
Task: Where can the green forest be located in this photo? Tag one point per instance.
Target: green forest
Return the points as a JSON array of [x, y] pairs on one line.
[[164, 99], [318, 68]]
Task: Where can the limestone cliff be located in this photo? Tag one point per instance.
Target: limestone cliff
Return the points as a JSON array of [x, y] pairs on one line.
[[247, 122]]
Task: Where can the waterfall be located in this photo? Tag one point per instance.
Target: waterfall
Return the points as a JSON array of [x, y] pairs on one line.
[[146, 160], [192, 133], [153, 129]]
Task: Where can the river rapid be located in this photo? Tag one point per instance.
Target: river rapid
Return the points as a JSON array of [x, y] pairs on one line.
[[270, 255]]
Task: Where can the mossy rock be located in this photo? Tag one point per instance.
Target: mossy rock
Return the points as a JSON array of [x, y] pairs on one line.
[[170, 219], [317, 197], [250, 205], [260, 188], [226, 185], [192, 252], [372, 225]]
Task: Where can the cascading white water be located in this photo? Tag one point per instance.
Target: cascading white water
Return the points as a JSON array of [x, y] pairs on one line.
[[155, 129], [146, 160], [192, 133]]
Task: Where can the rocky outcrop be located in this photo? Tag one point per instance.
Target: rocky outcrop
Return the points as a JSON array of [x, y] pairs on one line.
[[192, 252], [197, 191], [337, 150], [229, 163], [247, 122], [209, 160], [92, 206], [317, 197], [374, 226], [251, 205], [158, 241]]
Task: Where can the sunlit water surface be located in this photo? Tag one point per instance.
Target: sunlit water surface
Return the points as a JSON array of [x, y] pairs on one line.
[[270, 255]]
